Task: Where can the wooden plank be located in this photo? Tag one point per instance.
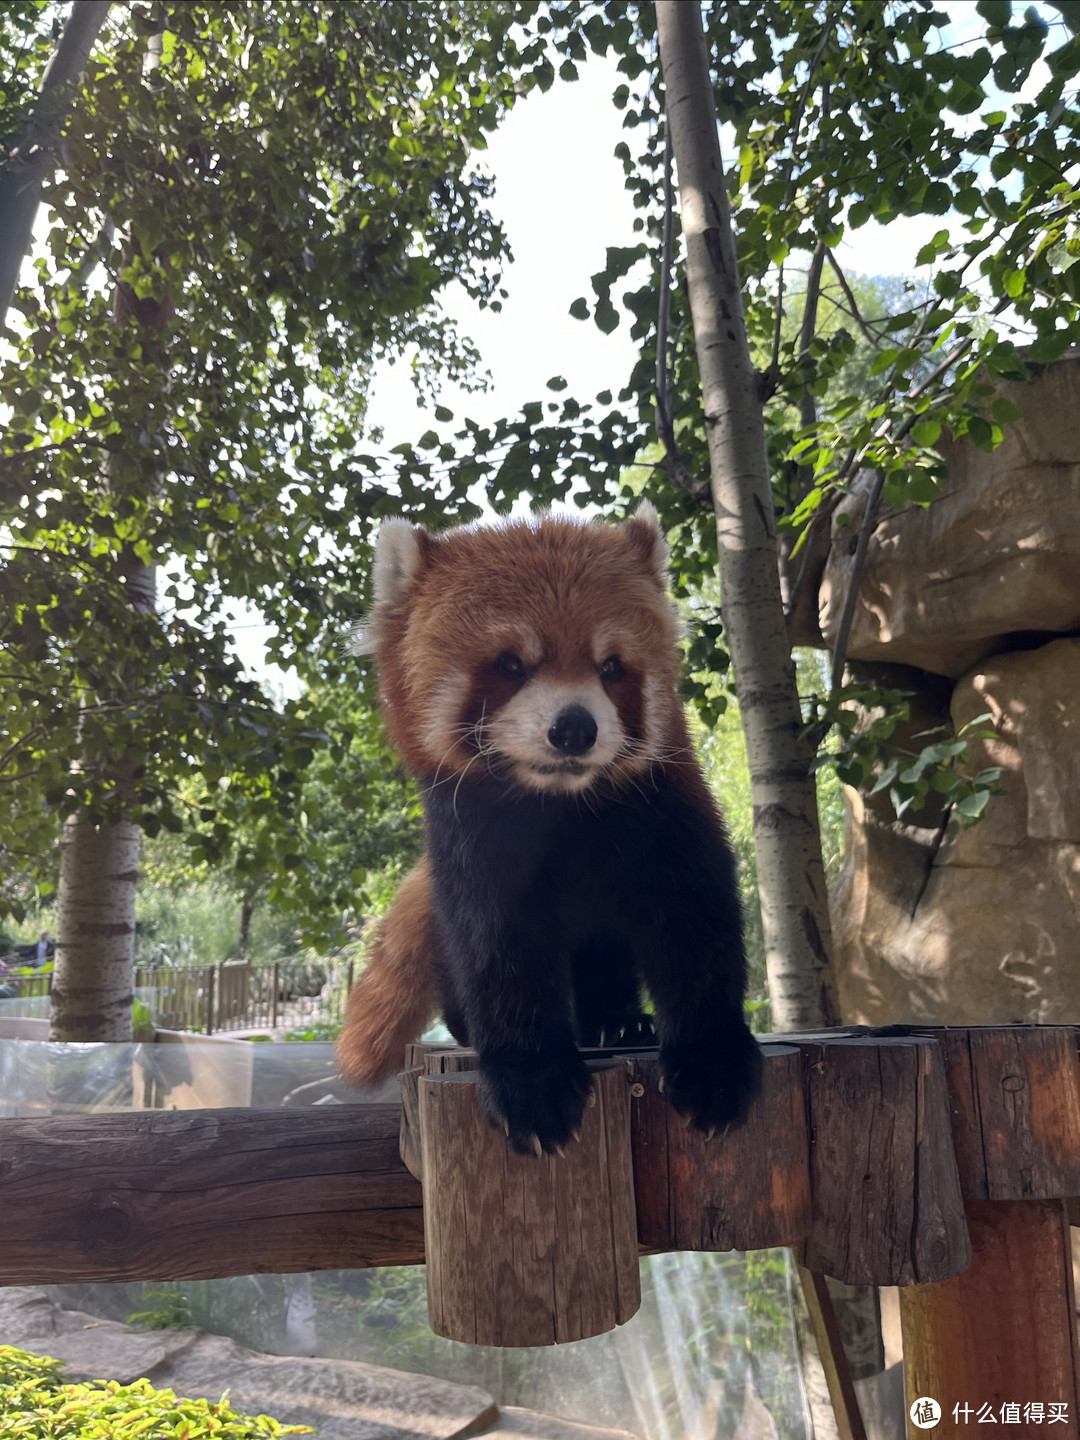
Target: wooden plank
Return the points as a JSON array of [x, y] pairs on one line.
[[834, 1361], [193, 1194], [1004, 1332]]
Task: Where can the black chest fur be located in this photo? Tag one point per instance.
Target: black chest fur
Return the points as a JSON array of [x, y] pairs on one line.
[[551, 913]]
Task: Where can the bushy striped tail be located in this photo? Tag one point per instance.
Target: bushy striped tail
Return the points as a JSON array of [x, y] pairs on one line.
[[394, 1000]]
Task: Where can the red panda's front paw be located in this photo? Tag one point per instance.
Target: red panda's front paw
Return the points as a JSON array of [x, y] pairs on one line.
[[712, 1082], [536, 1100]]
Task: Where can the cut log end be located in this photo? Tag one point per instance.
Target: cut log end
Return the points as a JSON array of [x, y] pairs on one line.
[[524, 1250]]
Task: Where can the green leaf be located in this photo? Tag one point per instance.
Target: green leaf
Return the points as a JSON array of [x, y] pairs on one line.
[[1069, 10], [883, 361], [1049, 347], [982, 433], [972, 806], [934, 247], [995, 12]]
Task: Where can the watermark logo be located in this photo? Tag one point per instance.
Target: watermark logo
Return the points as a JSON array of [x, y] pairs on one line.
[[925, 1412]]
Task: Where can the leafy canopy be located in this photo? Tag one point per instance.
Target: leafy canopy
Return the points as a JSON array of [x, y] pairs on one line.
[[252, 205]]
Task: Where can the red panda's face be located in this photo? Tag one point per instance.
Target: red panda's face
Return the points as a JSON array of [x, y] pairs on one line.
[[542, 652]]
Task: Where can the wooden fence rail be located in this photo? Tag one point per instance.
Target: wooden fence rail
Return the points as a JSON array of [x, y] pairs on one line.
[[193, 1194]]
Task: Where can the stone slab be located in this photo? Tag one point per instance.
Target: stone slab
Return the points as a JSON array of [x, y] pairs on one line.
[[342, 1399]]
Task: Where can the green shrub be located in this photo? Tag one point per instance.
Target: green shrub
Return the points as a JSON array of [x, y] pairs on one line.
[[36, 1403]]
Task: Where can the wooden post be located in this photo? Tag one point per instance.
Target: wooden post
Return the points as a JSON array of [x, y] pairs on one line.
[[1003, 1333], [834, 1362], [524, 1250], [1015, 1100], [211, 976], [887, 1203], [744, 1190]]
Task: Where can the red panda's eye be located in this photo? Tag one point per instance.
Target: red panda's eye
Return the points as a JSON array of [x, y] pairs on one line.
[[510, 667], [611, 669]]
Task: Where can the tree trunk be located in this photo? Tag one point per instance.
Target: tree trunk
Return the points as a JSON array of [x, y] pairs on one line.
[[247, 909], [791, 877], [20, 186], [95, 926]]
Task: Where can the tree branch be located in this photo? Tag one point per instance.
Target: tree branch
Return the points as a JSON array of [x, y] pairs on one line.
[[855, 313]]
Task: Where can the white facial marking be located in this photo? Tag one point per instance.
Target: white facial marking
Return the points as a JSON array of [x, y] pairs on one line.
[[519, 731], [442, 710]]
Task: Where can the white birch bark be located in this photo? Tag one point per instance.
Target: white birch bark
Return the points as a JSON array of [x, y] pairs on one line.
[[95, 931], [791, 878]]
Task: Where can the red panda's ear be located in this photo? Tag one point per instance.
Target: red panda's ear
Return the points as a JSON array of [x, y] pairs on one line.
[[401, 556], [644, 533]]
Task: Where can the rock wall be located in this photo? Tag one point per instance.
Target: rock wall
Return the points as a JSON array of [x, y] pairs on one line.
[[933, 923]]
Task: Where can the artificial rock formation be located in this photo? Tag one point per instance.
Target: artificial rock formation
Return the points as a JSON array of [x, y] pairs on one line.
[[934, 923], [996, 555]]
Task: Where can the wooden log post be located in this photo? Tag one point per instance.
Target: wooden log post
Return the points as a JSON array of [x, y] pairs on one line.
[[1003, 1334], [744, 1190], [524, 1250], [1001, 1339], [887, 1206]]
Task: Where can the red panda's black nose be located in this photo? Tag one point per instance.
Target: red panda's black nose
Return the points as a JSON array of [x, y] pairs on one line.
[[574, 731]]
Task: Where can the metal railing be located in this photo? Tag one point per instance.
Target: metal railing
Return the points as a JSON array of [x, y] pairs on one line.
[[213, 998]]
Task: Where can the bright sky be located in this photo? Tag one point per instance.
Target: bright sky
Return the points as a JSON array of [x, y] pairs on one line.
[[559, 192]]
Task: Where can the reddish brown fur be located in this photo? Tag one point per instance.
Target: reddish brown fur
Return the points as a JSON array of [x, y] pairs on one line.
[[480, 593], [394, 1000]]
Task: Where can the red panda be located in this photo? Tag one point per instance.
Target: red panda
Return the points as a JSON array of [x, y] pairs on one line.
[[529, 679]]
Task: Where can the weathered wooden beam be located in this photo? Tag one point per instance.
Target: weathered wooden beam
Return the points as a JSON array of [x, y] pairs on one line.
[[193, 1194], [1003, 1334]]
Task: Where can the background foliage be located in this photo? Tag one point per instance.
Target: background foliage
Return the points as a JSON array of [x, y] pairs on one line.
[[252, 205]]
